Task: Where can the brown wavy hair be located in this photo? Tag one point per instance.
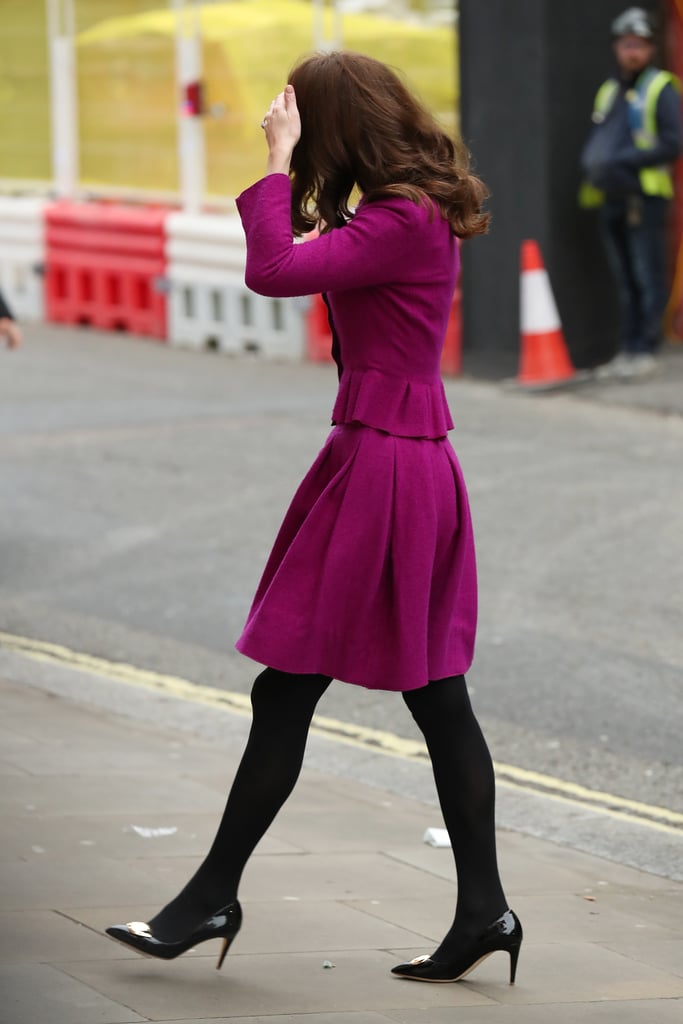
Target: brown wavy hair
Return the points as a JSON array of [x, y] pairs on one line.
[[360, 125]]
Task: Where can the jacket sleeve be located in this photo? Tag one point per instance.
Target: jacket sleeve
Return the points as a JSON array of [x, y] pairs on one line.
[[669, 131], [5, 311], [373, 248]]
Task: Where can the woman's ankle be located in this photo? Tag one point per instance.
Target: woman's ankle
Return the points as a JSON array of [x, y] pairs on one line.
[[190, 908]]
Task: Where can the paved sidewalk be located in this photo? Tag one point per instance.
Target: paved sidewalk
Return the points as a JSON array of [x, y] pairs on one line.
[[342, 877], [659, 392]]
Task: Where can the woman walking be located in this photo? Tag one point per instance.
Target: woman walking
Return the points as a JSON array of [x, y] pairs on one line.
[[371, 580]]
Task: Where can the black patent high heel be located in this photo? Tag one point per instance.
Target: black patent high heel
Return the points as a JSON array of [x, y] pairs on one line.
[[224, 924], [504, 935]]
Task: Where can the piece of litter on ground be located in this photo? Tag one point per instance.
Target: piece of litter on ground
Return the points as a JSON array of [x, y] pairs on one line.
[[591, 899], [153, 833], [328, 963], [38, 849], [293, 898], [436, 837], [86, 842]]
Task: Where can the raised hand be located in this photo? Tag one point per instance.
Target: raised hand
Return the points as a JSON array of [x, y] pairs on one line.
[[282, 126]]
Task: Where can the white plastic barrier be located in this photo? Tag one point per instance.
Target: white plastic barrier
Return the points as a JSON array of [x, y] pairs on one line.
[[209, 304], [22, 254]]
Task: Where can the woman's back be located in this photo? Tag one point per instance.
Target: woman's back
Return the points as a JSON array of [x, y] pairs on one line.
[[396, 320]]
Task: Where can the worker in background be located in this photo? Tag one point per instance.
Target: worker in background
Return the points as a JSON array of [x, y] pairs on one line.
[[626, 163], [9, 329]]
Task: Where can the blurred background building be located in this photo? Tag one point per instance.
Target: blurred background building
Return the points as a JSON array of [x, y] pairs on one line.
[[128, 99], [160, 101]]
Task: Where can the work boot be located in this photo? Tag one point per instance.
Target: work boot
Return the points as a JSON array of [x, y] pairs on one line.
[[612, 369], [643, 364]]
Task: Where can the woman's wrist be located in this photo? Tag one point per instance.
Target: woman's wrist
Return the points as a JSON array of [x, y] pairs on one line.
[[278, 162]]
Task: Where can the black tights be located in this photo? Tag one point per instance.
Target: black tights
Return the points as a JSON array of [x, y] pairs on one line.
[[283, 706], [463, 772]]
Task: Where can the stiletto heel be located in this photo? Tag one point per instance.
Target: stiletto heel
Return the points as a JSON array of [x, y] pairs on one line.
[[223, 953], [224, 924], [514, 956], [505, 935]]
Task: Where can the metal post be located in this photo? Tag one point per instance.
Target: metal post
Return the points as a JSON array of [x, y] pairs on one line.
[[318, 24], [337, 34], [191, 156], [63, 96], [321, 40]]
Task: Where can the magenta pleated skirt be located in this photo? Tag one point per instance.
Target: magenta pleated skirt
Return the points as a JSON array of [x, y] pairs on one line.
[[372, 577]]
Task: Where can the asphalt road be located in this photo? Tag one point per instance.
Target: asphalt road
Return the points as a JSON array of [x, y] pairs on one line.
[[141, 488]]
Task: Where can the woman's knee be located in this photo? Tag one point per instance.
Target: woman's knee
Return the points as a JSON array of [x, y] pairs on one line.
[[284, 690], [440, 697]]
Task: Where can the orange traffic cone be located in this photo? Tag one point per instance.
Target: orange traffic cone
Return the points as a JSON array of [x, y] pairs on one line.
[[543, 357]]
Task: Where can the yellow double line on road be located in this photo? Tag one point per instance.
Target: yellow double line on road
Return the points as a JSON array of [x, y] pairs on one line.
[[660, 818]]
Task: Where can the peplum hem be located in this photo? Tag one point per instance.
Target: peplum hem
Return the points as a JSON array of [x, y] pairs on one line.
[[404, 408]]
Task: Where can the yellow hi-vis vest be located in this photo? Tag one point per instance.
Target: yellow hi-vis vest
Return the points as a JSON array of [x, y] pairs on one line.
[[642, 100]]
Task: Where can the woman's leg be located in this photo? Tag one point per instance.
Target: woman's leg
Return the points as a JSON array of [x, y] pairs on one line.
[[283, 707], [463, 772]]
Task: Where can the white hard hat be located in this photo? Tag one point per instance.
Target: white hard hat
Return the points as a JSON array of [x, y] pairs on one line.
[[634, 22]]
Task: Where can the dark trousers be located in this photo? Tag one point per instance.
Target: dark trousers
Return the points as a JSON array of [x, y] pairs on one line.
[[634, 232]]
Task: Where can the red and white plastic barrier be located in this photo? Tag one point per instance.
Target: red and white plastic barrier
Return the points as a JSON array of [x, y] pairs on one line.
[[209, 304], [160, 273], [22, 255], [104, 262]]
